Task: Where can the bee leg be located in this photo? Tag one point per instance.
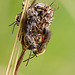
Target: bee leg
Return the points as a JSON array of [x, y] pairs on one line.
[[29, 57]]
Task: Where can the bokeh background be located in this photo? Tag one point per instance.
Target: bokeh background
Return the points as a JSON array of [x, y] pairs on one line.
[[59, 58]]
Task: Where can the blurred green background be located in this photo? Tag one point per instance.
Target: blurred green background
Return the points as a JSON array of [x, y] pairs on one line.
[[59, 58]]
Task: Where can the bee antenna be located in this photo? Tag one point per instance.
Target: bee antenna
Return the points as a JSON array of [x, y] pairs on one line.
[[29, 57], [56, 8], [52, 3], [11, 23], [13, 28]]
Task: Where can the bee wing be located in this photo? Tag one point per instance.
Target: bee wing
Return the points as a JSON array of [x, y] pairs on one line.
[[48, 37]]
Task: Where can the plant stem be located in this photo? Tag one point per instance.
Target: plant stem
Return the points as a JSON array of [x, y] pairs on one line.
[[19, 61]]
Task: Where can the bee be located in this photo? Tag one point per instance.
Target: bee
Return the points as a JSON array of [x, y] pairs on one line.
[[41, 46], [17, 21]]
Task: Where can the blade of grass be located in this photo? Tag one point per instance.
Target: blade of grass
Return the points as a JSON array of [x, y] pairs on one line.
[[8, 67], [16, 59], [22, 22], [13, 59]]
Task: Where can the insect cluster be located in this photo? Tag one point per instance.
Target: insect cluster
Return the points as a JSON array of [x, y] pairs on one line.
[[35, 33]]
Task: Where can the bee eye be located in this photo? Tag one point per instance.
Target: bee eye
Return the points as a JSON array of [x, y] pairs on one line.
[[18, 19]]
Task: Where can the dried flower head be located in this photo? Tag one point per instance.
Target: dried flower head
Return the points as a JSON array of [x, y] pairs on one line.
[[39, 18], [34, 31]]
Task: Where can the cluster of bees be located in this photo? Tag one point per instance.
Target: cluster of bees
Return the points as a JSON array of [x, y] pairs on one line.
[[36, 34]]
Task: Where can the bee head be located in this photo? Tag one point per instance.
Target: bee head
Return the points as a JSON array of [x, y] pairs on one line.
[[17, 21], [32, 47]]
